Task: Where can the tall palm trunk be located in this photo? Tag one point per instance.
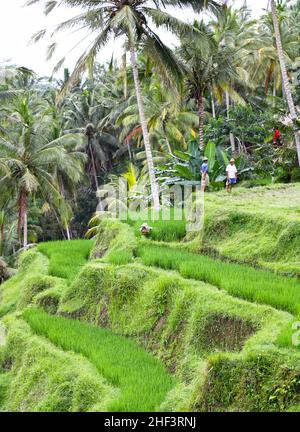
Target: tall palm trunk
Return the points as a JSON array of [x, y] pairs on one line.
[[22, 218], [201, 120], [285, 79], [231, 137], [140, 101], [124, 74], [166, 138], [213, 107], [93, 165], [94, 171], [63, 194], [68, 232], [25, 227]]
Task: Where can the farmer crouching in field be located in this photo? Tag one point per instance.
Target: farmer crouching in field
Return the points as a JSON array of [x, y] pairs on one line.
[[232, 175], [204, 174]]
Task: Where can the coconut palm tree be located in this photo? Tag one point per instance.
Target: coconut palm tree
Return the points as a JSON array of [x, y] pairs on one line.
[[262, 60], [208, 66], [55, 121], [233, 30], [129, 18], [29, 161], [285, 79], [85, 110], [170, 120]]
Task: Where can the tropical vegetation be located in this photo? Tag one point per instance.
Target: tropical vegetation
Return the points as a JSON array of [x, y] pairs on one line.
[[98, 314]]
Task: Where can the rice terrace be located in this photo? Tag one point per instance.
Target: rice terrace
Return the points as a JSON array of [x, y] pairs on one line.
[[141, 314]]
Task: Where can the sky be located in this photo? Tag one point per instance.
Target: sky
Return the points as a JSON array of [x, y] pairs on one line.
[[19, 23]]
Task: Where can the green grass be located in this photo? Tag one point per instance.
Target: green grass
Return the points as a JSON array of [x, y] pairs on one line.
[[142, 379], [238, 280], [290, 336], [66, 258], [259, 226], [163, 230], [37, 376]]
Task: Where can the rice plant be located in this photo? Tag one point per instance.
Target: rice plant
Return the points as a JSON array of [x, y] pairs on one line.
[[66, 258], [238, 280], [163, 229], [142, 379]]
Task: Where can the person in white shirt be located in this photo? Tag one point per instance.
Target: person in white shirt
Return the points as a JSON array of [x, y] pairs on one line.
[[232, 175]]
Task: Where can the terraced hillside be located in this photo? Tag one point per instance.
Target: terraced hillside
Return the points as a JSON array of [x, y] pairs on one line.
[[131, 324], [259, 226]]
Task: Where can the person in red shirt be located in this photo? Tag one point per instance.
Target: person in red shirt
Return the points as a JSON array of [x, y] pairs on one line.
[[277, 137]]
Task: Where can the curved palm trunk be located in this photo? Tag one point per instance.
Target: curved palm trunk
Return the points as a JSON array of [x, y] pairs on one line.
[[140, 101], [201, 120], [285, 79], [59, 223]]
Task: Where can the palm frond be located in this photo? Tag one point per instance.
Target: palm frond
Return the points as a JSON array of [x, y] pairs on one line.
[[84, 60], [163, 60]]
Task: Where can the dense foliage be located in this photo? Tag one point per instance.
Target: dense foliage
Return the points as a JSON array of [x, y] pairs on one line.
[[218, 93]]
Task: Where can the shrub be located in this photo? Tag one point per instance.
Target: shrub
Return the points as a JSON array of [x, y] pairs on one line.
[[34, 285], [49, 299], [295, 175]]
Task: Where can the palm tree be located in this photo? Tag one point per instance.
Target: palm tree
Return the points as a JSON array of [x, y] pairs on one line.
[[55, 120], [85, 110], [262, 60], [285, 79], [130, 18], [28, 161], [169, 119], [233, 30], [208, 66]]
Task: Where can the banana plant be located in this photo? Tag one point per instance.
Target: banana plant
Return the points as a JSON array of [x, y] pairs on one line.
[[186, 166]]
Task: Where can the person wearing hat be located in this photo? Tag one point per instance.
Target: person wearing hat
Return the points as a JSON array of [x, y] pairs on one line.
[[232, 175], [204, 174]]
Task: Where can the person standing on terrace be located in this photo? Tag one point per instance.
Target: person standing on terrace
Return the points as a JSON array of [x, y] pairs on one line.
[[232, 175], [204, 174]]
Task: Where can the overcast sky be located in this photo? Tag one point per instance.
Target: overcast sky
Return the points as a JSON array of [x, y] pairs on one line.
[[18, 24]]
